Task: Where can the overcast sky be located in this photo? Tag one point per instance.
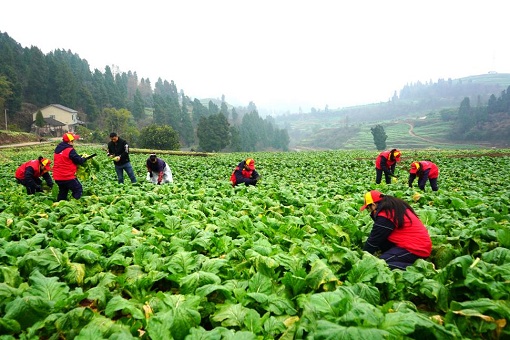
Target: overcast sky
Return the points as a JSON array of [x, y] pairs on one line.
[[281, 54]]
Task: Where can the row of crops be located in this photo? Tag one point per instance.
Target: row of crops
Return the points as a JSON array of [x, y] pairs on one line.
[[198, 259]]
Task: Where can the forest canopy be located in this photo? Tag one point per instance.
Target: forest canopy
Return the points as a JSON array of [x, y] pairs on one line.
[[122, 102]]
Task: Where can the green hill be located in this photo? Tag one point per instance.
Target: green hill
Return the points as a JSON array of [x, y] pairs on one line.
[[417, 118]]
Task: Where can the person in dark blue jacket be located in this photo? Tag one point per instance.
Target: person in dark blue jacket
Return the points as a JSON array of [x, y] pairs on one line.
[[158, 172]]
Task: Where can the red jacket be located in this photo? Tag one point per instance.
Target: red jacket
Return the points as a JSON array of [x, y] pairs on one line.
[[34, 164], [242, 175], [64, 169], [386, 156], [65, 162], [412, 236], [434, 170]]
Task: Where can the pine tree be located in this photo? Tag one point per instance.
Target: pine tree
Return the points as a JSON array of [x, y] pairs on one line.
[[379, 137], [39, 119]]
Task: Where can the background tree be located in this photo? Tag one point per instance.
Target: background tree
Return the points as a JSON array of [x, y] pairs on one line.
[[138, 107], [235, 139], [235, 116], [379, 137], [213, 133], [117, 120], [224, 107], [213, 108], [159, 137], [186, 132], [465, 120], [39, 120], [198, 111]]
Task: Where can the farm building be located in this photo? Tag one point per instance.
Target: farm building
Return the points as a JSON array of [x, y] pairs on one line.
[[59, 119]]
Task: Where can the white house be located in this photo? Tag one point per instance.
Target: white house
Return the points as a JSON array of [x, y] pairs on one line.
[[60, 113]]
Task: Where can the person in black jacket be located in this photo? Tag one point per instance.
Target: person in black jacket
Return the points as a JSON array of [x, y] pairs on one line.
[[245, 173], [118, 151]]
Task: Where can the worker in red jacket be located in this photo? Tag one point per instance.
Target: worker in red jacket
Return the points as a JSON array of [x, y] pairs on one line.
[[29, 173], [424, 170], [245, 173], [397, 233], [66, 161], [385, 163]]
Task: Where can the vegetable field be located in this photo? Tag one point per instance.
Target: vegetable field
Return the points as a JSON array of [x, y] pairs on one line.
[[198, 259]]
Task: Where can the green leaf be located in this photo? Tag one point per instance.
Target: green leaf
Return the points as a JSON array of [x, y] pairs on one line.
[[177, 322], [295, 284], [365, 270], [197, 279], [76, 273], [367, 292], [260, 284], [321, 276], [28, 310], [118, 303], [330, 330], [47, 288], [231, 315], [436, 291], [9, 326], [208, 289], [183, 263], [252, 321], [398, 324]]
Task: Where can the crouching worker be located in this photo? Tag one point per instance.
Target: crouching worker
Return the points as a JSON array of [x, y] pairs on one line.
[[397, 233], [424, 170], [158, 171], [28, 174], [245, 173]]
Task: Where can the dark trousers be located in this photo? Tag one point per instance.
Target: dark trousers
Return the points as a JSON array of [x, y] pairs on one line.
[[433, 184], [31, 189], [398, 258], [72, 185], [378, 176]]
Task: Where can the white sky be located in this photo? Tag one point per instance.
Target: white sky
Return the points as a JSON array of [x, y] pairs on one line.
[[280, 54]]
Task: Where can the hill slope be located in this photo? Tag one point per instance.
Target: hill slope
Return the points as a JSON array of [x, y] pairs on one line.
[[413, 120]]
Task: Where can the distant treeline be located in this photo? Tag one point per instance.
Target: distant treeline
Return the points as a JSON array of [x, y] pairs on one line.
[[120, 101]]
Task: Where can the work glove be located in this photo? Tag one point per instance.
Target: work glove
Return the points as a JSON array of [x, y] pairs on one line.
[[116, 158]]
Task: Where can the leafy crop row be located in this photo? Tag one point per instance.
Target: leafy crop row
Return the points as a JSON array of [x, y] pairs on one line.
[[199, 259]]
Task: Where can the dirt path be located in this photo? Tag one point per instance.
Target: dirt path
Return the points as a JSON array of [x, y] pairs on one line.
[[411, 132], [20, 145]]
